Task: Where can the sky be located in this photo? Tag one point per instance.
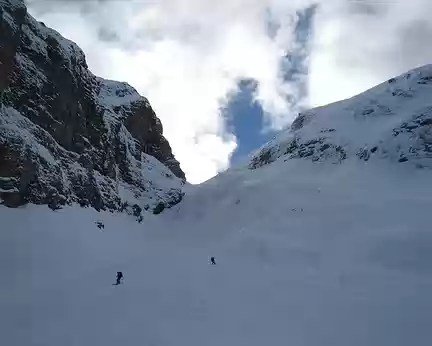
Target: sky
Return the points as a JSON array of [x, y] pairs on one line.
[[225, 76]]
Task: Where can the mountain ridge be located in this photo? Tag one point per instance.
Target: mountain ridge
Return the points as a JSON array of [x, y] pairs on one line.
[[67, 136], [392, 121]]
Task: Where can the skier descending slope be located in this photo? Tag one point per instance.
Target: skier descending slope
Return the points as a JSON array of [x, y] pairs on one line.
[[212, 261]]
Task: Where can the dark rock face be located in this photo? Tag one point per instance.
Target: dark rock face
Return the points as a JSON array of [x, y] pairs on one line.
[[317, 150], [68, 136], [264, 157], [147, 129], [159, 208], [301, 120], [413, 139]]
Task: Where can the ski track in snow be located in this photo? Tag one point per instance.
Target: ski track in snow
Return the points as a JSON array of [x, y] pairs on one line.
[[353, 268]]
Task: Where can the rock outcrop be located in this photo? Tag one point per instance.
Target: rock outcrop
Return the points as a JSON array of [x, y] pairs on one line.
[[68, 136]]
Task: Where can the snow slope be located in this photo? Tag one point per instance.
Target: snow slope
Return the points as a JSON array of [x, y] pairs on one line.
[[319, 239], [340, 255]]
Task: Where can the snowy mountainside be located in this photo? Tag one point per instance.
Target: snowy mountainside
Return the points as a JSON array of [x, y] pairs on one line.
[[322, 238], [392, 121], [67, 136]]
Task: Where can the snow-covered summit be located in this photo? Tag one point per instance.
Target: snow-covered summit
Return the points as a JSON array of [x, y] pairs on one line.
[[390, 121]]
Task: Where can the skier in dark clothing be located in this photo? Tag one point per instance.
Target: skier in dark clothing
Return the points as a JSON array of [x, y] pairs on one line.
[[119, 277], [212, 261]]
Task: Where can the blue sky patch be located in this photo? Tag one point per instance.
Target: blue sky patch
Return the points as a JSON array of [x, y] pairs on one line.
[[245, 116]]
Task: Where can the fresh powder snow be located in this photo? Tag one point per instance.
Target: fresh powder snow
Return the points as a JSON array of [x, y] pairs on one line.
[[307, 254]]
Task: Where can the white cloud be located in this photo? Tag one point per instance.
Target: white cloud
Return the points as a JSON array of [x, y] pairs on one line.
[[187, 55], [359, 44]]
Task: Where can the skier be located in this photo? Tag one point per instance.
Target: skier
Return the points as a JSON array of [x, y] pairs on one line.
[[119, 277], [212, 261]]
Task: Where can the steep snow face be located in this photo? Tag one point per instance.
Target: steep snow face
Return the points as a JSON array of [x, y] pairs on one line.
[[67, 136], [392, 120]]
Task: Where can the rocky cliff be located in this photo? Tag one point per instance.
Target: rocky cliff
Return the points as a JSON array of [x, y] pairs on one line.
[[68, 136]]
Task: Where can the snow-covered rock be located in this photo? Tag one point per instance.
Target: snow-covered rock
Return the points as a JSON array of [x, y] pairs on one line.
[[68, 136], [390, 121]]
